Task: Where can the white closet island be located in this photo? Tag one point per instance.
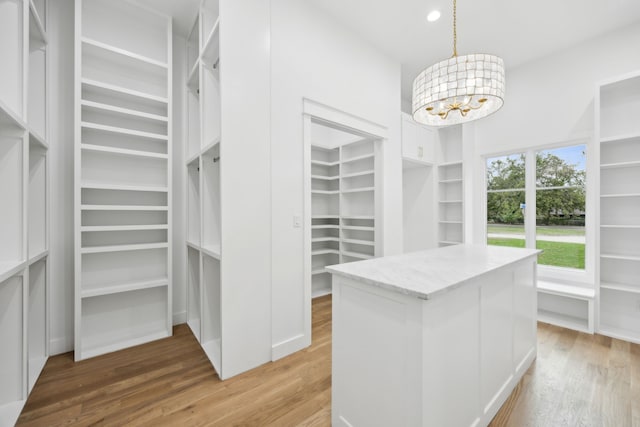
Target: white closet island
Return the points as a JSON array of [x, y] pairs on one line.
[[437, 337]]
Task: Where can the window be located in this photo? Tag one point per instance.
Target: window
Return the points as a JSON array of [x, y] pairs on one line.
[[559, 195]]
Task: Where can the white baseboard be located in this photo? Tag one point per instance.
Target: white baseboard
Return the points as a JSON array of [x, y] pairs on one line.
[[179, 317], [60, 345], [290, 346]]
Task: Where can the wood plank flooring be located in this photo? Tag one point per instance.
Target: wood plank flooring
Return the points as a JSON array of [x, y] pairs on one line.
[[577, 380]]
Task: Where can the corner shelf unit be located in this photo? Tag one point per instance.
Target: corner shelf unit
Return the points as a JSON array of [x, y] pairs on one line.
[[202, 151], [618, 151], [343, 200], [450, 186], [24, 190], [123, 288]]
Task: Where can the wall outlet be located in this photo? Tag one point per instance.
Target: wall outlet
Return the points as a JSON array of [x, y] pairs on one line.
[[297, 221]]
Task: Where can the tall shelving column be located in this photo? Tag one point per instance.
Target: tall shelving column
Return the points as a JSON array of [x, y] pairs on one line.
[[204, 315], [325, 220], [450, 187], [358, 200], [24, 186], [618, 143], [123, 288]]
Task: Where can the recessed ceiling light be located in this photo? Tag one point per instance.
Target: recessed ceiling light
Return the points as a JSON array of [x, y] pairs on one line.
[[433, 16]]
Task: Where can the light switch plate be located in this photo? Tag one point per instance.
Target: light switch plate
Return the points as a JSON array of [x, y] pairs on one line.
[[297, 221]]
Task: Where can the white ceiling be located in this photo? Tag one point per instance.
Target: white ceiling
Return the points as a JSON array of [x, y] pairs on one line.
[[518, 31]]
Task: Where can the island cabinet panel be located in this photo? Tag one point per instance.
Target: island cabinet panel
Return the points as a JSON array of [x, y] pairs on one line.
[[410, 353]]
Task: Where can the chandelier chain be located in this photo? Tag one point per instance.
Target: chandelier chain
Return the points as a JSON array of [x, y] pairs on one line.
[[455, 33]]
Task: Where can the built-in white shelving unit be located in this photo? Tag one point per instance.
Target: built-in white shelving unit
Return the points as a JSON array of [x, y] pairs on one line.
[[123, 288], [343, 202], [618, 148], [24, 190], [450, 186], [203, 183]]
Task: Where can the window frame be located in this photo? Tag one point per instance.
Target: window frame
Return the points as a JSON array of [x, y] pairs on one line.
[[547, 271]]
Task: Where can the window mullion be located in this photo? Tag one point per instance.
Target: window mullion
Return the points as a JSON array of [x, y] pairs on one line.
[[530, 199]]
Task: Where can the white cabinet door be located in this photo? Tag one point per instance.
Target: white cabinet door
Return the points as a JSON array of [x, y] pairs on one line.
[[418, 142]]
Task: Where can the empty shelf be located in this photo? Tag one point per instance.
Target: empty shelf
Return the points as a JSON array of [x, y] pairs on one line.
[[123, 91], [359, 242], [96, 47], [123, 151], [325, 251], [325, 192], [9, 269], [357, 228], [358, 158], [325, 178], [325, 239], [124, 112], [36, 141], [123, 208], [620, 287], [124, 287], [37, 257], [359, 190], [123, 248], [10, 119], [356, 255], [621, 257], [357, 174], [620, 165], [124, 131], [322, 226], [119, 187], [322, 163], [212, 250], [124, 227]]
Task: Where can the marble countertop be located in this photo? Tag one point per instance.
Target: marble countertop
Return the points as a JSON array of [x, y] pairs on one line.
[[426, 274]]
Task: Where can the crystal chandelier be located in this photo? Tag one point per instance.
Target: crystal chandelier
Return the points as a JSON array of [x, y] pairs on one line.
[[459, 89]]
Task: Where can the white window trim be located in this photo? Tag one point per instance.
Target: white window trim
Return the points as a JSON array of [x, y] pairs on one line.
[[586, 276]]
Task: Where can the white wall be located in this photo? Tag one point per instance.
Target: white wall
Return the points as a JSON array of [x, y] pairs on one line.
[[314, 57], [60, 32], [550, 101]]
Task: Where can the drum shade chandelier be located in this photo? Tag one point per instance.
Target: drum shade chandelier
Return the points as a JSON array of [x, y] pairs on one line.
[[459, 89]]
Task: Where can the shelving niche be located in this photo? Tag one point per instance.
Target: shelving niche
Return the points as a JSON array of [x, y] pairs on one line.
[[24, 186], [343, 200], [450, 186], [618, 146], [122, 176], [204, 225]]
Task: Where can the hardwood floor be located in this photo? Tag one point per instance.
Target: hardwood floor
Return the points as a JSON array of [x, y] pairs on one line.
[[577, 380]]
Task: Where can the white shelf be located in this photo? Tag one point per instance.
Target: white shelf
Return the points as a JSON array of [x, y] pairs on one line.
[[619, 333], [209, 48], [325, 239], [356, 174], [620, 287], [359, 242], [356, 255], [325, 192], [319, 271], [563, 320], [95, 45], [210, 146], [37, 141], [124, 131], [604, 196], [118, 187], [123, 91], [123, 208], [321, 163], [212, 251], [450, 164], [357, 217], [357, 228], [123, 151], [450, 222], [317, 293], [325, 226], [450, 201], [10, 268], [9, 119], [620, 165], [359, 190], [193, 245], [620, 257], [450, 181], [124, 287], [325, 178], [37, 33], [622, 137], [449, 242], [358, 158], [96, 228], [625, 227], [325, 251], [124, 112], [39, 256], [569, 291], [123, 248], [325, 216]]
